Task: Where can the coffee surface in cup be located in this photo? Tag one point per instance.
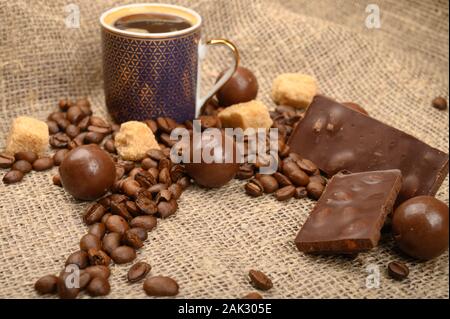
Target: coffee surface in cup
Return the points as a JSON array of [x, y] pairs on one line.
[[151, 23]]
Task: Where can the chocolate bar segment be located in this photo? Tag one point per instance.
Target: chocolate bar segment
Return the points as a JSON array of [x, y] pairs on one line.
[[349, 215], [338, 138]]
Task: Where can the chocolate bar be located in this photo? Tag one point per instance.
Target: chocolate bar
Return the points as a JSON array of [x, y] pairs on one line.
[[349, 215], [338, 138]]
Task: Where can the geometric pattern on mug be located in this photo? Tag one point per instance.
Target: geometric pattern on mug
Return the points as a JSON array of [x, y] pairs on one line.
[[148, 78]]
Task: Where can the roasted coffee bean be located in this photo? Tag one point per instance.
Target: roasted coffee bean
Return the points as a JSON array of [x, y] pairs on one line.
[[175, 190], [155, 154], [59, 156], [123, 254], [94, 214], [97, 229], [307, 166], [140, 232], [285, 193], [83, 102], [260, 280], [120, 172], [155, 189], [12, 177], [72, 131], [397, 270], [208, 121], [166, 124], [145, 222], [53, 127], [118, 198], [132, 208], [121, 210], [131, 187], [79, 139], [164, 176], [99, 122], [152, 125], [111, 241], [23, 166], [98, 271], [59, 140], [110, 147], [138, 271], [289, 165], [300, 192], [89, 241], [28, 156], [64, 286], [132, 239], [62, 123], [79, 258], [154, 171], [146, 205], [315, 190], [127, 165], [98, 257], [46, 285], [166, 140], [268, 183], [254, 188], [98, 286], [165, 163], [56, 179], [98, 129], [75, 115], [160, 286], [284, 151], [318, 179], [84, 123], [6, 161], [245, 172], [93, 138], [163, 196], [166, 209], [117, 224], [166, 151], [145, 179], [282, 179], [54, 116], [84, 280], [298, 177], [105, 218], [64, 104], [148, 163], [439, 103], [252, 295], [184, 182]]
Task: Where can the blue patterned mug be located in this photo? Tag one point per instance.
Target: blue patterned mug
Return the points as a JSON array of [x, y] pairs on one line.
[[148, 75]]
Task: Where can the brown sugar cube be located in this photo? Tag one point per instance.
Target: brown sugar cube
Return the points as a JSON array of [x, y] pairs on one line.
[[253, 114], [294, 89], [133, 141], [27, 134]]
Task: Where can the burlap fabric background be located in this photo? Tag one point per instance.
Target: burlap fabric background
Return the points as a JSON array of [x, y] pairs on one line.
[[217, 236]]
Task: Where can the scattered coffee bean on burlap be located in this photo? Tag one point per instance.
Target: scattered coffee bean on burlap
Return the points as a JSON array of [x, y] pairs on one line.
[[260, 280], [161, 286], [138, 271], [398, 270]]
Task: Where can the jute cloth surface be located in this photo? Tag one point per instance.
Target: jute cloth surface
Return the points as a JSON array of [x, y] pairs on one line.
[[218, 235]]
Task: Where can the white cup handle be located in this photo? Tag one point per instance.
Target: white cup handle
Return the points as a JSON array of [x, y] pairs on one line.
[[226, 76]]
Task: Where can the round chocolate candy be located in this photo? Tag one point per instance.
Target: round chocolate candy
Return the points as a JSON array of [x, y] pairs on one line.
[[241, 87], [420, 227], [220, 168], [87, 172]]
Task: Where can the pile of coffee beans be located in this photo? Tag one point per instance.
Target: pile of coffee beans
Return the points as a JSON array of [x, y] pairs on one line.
[[296, 177], [21, 164]]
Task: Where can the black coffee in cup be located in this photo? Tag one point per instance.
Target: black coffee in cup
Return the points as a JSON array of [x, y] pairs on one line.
[[151, 23]]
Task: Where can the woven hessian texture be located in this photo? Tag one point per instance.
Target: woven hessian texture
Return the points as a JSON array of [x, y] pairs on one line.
[[218, 235]]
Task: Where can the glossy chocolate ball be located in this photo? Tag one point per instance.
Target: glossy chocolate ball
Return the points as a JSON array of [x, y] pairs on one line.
[[420, 227], [87, 172], [241, 87], [217, 170]]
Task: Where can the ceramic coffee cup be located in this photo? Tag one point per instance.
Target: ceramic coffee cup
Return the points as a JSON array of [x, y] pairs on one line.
[[148, 75]]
